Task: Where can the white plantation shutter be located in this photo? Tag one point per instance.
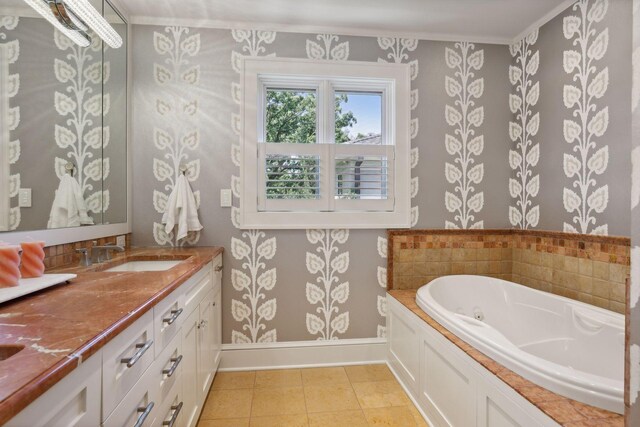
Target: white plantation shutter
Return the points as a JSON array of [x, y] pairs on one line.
[[325, 177], [363, 177]]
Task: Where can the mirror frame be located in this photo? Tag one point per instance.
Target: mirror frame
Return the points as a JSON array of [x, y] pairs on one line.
[[61, 236]]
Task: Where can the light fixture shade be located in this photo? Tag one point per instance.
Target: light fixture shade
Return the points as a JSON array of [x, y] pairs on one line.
[[43, 9], [94, 19]]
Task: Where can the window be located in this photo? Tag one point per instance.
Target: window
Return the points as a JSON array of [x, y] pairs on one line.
[[325, 144]]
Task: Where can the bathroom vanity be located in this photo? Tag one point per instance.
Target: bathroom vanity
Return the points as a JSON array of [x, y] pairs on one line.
[[116, 347]]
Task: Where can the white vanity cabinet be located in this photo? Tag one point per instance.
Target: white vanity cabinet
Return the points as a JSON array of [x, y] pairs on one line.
[[157, 372]]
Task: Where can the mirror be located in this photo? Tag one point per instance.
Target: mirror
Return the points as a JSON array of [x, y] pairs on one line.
[[63, 114]]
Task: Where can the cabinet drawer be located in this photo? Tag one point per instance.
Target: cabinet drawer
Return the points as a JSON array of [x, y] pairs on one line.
[[141, 402], [171, 410], [125, 359], [73, 402], [168, 316], [197, 288], [167, 369], [217, 272]]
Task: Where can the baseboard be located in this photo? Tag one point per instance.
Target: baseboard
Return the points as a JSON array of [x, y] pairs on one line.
[[286, 355], [408, 392]]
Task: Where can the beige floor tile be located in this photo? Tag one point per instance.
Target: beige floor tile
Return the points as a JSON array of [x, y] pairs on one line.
[[364, 373], [279, 378], [330, 398], [294, 420], [397, 416], [277, 401], [234, 380], [227, 404], [338, 419], [237, 422], [417, 416], [324, 376], [380, 394]]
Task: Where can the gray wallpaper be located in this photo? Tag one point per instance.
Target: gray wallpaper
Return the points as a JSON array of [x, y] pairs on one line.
[[275, 285], [282, 295], [583, 184]]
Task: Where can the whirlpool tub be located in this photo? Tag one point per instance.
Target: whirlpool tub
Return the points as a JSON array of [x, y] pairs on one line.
[[571, 348]]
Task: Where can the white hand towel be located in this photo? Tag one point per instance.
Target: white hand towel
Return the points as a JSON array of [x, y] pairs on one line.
[[68, 209], [181, 210]]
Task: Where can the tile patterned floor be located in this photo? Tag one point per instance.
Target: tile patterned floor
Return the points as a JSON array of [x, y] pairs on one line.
[[350, 396]]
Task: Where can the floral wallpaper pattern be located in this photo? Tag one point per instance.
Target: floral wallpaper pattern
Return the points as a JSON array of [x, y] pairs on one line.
[[9, 116], [588, 159], [178, 109], [464, 202], [253, 248], [83, 137], [526, 185]]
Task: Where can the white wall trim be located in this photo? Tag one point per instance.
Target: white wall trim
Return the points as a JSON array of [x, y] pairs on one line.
[[312, 29], [299, 354], [546, 18]]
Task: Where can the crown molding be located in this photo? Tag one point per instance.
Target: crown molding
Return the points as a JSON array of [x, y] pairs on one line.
[[312, 29], [545, 19]]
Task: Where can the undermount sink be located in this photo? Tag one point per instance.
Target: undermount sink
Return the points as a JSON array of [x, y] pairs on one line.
[[145, 265], [6, 351]]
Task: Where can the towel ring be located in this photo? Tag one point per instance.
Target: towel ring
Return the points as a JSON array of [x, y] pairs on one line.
[[69, 167]]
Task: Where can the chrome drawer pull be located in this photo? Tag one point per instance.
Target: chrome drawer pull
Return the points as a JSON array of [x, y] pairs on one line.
[[218, 268], [176, 361], [142, 349], [144, 413], [174, 315], [176, 411]]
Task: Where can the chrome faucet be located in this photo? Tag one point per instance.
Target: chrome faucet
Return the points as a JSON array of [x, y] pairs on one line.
[[85, 259], [103, 253]]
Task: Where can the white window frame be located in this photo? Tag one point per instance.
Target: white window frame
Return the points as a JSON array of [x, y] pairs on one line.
[[393, 80]]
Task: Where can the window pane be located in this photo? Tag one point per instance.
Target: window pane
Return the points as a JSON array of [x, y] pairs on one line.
[[291, 116], [358, 118], [292, 177], [361, 177]]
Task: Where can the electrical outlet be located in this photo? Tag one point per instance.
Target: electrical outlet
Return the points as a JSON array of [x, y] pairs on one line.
[[225, 198], [121, 240], [24, 198]]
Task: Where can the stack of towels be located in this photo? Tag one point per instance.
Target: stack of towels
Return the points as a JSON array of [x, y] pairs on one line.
[[69, 209], [181, 210]]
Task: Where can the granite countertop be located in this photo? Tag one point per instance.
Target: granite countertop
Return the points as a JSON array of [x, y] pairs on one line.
[[63, 325], [564, 411]]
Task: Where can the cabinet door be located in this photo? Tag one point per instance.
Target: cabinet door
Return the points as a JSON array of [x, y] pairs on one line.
[[190, 368], [217, 329], [206, 338]]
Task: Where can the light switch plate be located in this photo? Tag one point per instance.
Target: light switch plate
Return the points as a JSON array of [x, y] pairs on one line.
[[225, 198], [121, 241], [24, 198]]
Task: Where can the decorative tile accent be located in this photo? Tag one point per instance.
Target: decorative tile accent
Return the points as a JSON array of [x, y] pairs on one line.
[[65, 255], [587, 268]]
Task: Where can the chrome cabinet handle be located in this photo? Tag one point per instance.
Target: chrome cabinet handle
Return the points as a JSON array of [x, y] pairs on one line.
[[176, 361], [144, 413], [142, 349], [218, 268], [176, 411], [174, 315]]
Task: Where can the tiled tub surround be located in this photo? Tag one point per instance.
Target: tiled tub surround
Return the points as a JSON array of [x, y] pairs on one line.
[[587, 268], [66, 324], [564, 411]]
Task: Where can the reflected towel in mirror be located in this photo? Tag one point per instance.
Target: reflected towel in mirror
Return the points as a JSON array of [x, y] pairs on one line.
[[68, 209], [181, 210]]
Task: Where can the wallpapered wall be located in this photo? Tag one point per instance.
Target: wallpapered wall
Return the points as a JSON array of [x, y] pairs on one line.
[[634, 294], [186, 94], [276, 286]]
